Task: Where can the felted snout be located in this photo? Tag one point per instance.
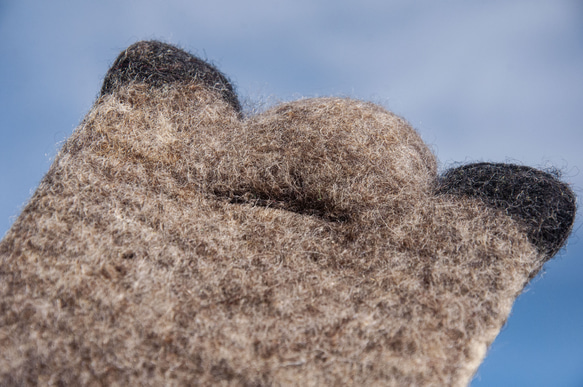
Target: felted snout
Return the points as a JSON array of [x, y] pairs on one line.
[[327, 156]]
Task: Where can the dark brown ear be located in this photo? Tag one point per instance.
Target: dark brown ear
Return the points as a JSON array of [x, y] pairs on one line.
[[544, 204], [159, 64]]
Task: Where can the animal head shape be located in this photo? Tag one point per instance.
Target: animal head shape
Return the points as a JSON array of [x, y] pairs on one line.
[[177, 241]]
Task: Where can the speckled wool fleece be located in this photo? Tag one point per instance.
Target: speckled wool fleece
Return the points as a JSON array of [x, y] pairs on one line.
[[176, 241]]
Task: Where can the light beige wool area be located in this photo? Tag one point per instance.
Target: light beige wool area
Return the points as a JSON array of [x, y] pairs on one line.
[[174, 242]]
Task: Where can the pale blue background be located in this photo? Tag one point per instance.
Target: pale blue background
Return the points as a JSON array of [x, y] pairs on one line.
[[480, 80]]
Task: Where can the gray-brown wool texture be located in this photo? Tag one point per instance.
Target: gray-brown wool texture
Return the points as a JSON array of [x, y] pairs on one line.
[[173, 242]]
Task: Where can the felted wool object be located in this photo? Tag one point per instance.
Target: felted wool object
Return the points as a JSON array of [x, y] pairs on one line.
[[175, 241]]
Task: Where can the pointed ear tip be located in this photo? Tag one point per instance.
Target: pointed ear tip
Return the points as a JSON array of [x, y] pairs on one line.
[[157, 64], [537, 199]]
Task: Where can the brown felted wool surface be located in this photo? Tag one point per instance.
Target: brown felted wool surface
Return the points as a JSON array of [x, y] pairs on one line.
[[173, 242]]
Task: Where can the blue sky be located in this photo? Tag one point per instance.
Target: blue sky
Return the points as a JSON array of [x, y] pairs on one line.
[[480, 80]]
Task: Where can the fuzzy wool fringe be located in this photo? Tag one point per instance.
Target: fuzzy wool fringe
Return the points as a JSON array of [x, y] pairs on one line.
[[173, 243]]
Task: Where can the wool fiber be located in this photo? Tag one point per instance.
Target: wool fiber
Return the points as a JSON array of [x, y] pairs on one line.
[[175, 242]]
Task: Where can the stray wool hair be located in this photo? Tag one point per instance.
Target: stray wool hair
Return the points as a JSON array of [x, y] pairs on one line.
[[174, 241]]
